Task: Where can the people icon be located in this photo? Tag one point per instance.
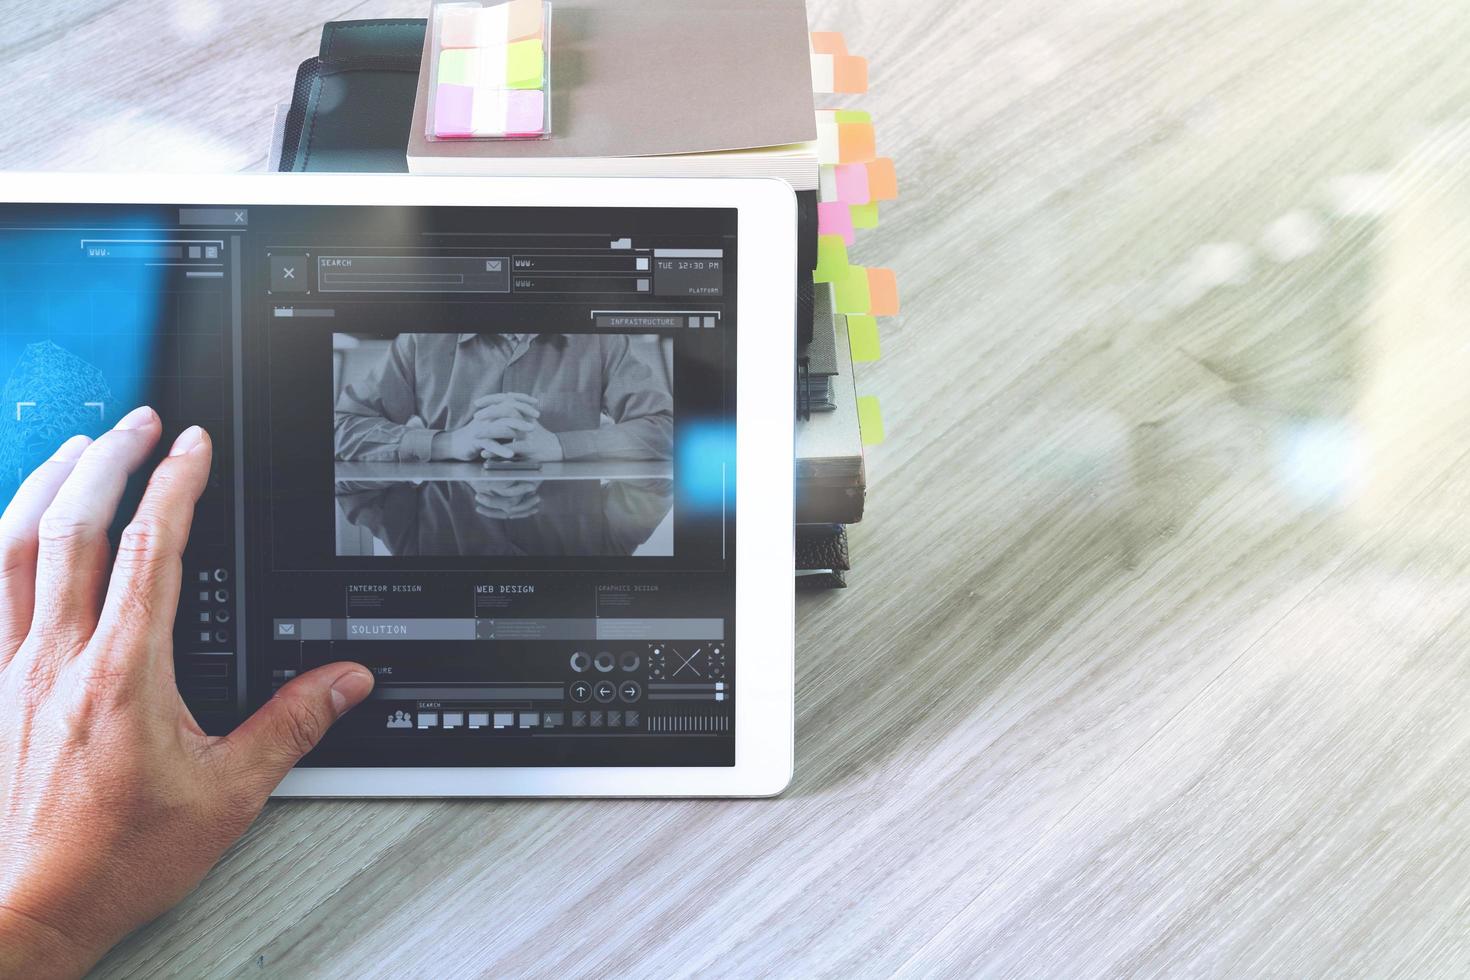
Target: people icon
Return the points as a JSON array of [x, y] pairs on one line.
[[400, 719]]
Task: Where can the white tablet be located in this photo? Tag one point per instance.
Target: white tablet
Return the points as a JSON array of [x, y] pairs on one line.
[[484, 435]]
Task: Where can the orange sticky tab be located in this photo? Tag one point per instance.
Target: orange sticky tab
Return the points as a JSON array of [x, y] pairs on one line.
[[849, 74], [828, 42], [855, 142], [882, 292], [882, 180], [523, 19]]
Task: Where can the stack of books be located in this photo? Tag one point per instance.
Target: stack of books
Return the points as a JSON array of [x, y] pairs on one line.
[[665, 88]]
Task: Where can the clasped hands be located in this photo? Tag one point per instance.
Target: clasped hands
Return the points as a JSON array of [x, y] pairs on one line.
[[505, 425]]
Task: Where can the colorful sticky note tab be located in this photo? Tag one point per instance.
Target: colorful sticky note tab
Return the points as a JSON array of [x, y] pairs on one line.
[[459, 27], [851, 180], [831, 258], [523, 64], [525, 112], [839, 73], [828, 42], [855, 142], [849, 74], [835, 218], [862, 336], [882, 292], [850, 291], [458, 66], [882, 180], [870, 420], [523, 19], [851, 116], [453, 110], [865, 215]]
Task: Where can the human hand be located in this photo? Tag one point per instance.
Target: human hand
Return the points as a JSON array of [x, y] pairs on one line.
[[534, 441], [507, 404], [113, 802], [511, 500], [476, 436]]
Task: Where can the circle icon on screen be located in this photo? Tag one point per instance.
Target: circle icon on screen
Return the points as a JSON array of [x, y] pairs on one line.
[[580, 691], [630, 661], [580, 661], [603, 661], [605, 691], [630, 691]]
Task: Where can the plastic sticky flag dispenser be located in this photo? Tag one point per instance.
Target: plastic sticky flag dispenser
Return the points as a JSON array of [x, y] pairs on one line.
[[870, 420], [490, 70]]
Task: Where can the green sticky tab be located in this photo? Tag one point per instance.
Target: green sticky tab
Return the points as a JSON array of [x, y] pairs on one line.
[[850, 293], [852, 115], [523, 63], [865, 215], [870, 420], [456, 66], [831, 259], [862, 337]]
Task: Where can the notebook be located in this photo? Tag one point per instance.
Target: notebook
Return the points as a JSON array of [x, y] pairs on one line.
[[693, 88]]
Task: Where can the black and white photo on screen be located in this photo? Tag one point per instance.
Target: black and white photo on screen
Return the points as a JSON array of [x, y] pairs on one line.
[[542, 444]]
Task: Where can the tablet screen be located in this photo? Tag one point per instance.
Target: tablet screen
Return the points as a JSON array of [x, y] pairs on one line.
[[486, 452]]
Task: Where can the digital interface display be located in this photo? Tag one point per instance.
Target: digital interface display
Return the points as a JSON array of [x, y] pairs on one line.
[[486, 452]]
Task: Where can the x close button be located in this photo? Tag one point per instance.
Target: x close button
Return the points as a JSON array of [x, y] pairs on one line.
[[288, 273]]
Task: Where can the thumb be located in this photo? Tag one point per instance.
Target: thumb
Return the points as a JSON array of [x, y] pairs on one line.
[[289, 725]]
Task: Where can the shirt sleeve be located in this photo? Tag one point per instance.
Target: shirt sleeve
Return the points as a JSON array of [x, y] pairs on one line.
[[374, 417], [636, 396]]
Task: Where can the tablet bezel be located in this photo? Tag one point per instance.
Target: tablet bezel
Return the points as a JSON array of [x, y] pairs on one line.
[[765, 398]]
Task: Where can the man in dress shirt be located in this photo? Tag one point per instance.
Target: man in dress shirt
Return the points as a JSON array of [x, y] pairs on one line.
[[444, 396]]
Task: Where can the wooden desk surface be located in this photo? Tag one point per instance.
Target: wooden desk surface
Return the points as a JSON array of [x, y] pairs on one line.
[[1155, 657]]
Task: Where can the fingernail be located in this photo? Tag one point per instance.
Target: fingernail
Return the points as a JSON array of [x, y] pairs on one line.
[[68, 451], [349, 689], [189, 440], [138, 418]]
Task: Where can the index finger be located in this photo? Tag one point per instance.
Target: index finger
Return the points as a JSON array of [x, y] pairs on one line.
[[143, 595]]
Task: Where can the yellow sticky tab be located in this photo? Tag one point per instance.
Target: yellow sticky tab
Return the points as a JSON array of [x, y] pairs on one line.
[[831, 259], [851, 116], [865, 215], [850, 292], [870, 420], [862, 337], [523, 63]]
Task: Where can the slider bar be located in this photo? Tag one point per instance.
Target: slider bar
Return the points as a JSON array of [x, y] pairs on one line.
[[393, 692]]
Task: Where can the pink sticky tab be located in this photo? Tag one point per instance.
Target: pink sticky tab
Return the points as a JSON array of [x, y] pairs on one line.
[[852, 183], [525, 112], [453, 110], [835, 218]]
